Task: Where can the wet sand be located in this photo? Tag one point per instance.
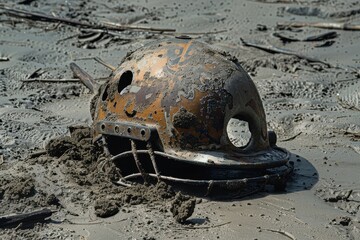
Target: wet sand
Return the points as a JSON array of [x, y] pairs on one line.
[[312, 106]]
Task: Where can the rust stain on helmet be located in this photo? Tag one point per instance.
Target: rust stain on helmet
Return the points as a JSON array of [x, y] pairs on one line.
[[153, 85]]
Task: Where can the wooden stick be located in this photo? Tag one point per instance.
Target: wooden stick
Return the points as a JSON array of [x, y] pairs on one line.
[[99, 60], [84, 77], [272, 49], [105, 25], [205, 227], [82, 223], [171, 33], [291, 138], [179, 34], [325, 25], [43, 17], [38, 153], [319, 37], [106, 31], [51, 80], [282, 232], [33, 217], [118, 26]]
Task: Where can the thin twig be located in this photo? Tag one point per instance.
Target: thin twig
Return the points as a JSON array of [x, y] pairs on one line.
[[319, 37], [282, 232], [179, 34], [99, 60], [38, 153], [199, 33], [91, 223], [118, 26], [206, 227], [83, 223], [84, 77], [114, 33], [35, 74], [51, 80], [106, 31], [273, 49], [105, 25], [325, 25], [291, 138], [32, 217], [42, 17]]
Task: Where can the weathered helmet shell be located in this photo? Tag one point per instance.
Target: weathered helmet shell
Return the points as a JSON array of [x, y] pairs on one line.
[[184, 93]]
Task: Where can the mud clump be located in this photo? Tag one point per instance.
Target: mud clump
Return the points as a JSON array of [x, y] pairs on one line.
[[334, 195], [20, 188], [58, 146], [86, 164], [20, 193], [342, 220], [79, 133], [139, 194], [182, 207], [52, 200], [105, 208], [78, 146], [344, 199]]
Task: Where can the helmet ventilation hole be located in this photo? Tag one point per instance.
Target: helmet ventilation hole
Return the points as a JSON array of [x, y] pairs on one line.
[[238, 132], [125, 80], [105, 94]]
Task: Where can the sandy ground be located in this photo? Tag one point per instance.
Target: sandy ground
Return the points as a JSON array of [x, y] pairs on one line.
[[313, 107]]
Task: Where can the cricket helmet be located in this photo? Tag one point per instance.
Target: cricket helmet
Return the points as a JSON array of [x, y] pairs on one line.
[[172, 101]]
